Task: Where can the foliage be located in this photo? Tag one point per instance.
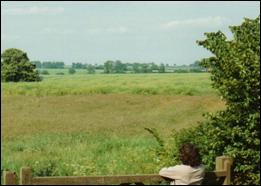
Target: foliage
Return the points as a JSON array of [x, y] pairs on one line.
[[59, 73], [108, 67], [78, 66], [44, 72], [114, 67], [161, 68], [181, 71], [235, 69], [91, 69], [15, 66], [52, 64], [71, 71]]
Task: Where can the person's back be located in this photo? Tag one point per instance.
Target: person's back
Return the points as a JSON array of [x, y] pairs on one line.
[[184, 174], [190, 172]]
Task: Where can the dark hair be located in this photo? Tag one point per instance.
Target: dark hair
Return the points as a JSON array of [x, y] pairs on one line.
[[189, 155]]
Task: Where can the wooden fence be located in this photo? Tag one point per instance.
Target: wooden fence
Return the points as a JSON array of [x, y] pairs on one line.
[[222, 175]]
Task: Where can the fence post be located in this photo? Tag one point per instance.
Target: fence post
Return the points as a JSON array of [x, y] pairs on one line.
[[9, 178], [25, 176], [224, 163]]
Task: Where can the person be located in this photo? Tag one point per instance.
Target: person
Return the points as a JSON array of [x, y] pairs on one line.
[[190, 172]]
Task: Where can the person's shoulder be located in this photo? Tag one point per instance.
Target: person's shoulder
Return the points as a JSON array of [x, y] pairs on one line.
[[188, 167], [200, 169], [181, 167], [169, 168]]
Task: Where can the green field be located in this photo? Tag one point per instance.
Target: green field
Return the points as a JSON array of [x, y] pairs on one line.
[[141, 84], [94, 124]]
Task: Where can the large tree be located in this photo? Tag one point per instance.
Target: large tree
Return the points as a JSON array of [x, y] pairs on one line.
[[16, 66], [235, 69]]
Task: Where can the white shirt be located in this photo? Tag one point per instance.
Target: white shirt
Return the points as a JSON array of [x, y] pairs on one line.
[[184, 174]]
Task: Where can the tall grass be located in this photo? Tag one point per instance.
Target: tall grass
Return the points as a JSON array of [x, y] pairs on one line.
[[144, 84], [80, 154], [94, 124]]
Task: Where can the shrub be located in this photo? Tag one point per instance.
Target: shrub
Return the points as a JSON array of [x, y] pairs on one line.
[[59, 73], [44, 72], [181, 71], [71, 71], [235, 69], [91, 69], [16, 66]]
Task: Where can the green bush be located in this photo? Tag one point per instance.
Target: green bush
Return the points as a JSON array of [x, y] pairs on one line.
[[16, 66], [71, 71], [44, 72], [59, 73], [235, 69], [181, 71]]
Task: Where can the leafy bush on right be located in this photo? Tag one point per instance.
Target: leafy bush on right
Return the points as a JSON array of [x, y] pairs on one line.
[[235, 69]]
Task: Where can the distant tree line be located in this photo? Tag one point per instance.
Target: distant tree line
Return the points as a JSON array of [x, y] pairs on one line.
[[49, 64], [118, 66], [79, 66]]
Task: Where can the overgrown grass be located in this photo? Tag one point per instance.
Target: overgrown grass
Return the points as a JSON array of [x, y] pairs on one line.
[[142, 84], [109, 114], [96, 124], [79, 154]]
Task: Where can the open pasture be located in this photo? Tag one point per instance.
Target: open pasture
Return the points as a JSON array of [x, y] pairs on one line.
[[83, 131]]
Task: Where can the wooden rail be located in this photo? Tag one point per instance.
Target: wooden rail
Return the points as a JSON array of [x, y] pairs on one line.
[[222, 175]]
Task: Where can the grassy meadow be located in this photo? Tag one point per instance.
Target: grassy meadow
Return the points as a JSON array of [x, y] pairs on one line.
[[90, 84], [94, 124]]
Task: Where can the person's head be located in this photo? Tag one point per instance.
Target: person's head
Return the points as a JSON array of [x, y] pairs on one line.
[[189, 155]]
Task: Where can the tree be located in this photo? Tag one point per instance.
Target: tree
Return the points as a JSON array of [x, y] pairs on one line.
[[154, 67], [90, 69], [161, 68], [145, 68], [235, 69], [108, 66], [78, 66], [196, 67], [51, 64], [136, 68], [16, 66], [71, 71], [44, 72], [119, 67]]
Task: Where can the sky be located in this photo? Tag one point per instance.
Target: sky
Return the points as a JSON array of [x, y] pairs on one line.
[[131, 31]]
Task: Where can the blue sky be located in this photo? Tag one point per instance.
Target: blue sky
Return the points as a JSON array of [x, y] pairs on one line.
[[134, 31]]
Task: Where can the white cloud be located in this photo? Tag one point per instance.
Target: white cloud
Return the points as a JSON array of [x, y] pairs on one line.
[[33, 11], [216, 21]]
